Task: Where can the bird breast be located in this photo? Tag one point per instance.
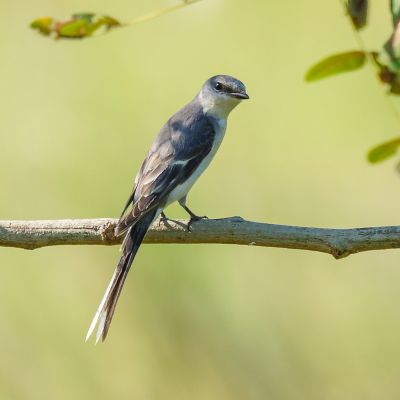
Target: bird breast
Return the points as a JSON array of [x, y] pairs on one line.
[[182, 190]]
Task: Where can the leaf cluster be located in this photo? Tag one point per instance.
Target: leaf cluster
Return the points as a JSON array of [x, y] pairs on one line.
[[386, 62], [84, 25], [77, 27]]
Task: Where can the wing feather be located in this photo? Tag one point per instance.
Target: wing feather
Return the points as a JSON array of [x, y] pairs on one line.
[[178, 149]]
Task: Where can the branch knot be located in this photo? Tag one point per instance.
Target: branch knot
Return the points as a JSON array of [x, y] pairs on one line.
[[107, 232]]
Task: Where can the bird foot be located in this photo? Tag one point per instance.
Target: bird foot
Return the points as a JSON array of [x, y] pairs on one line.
[[194, 218], [164, 219]]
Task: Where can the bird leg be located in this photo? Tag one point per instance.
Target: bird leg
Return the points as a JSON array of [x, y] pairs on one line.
[[193, 216], [163, 218]]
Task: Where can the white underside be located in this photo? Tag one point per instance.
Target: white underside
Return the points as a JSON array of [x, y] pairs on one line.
[[182, 190]]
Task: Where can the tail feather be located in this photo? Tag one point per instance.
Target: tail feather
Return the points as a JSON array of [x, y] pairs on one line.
[[100, 308], [131, 244]]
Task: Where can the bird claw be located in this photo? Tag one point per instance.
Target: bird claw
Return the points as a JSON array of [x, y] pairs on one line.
[[194, 218], [162, 221]]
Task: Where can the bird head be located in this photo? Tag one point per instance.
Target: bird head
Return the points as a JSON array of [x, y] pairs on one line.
[[221, 94]]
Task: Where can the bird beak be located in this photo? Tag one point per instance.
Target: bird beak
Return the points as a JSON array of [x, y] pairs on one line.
[[240, 95]]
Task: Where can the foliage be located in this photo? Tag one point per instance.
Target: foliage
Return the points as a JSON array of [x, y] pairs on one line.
[[336, 64], [76, 27], [358, 11], [386, 61], [384, 151], [84, 25]]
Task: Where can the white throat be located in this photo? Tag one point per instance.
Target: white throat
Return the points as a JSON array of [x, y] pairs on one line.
[[217, 107]]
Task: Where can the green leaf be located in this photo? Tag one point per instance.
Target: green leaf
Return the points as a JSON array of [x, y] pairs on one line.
[[43, 25], [358, 11], [336, 64], [77, 27], [395, 10], [383, 151]]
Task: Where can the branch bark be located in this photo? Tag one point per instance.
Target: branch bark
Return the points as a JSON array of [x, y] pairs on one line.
[[337, 242]]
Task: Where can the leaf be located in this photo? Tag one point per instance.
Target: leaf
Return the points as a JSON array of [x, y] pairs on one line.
[[387, 71], [336, 64], [77, 27], [395, 10], [383, 151], [358, 11], [43, 25]]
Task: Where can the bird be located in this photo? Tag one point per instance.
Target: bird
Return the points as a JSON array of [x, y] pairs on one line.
[[180, 153]]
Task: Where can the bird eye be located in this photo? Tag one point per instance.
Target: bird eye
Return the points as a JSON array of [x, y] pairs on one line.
[[218, 86]]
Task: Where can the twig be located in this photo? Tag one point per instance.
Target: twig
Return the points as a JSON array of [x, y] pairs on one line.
[[160, 12], [337, 242]]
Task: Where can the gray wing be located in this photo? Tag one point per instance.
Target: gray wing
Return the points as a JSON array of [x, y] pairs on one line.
[[179, 148]]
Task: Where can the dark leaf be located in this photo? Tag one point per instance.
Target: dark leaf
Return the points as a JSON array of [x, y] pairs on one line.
[[358, 11], [388, 75], [383, 151], [336, 64]]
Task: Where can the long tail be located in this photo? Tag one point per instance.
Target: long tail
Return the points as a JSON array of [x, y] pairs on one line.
[[130, 246]]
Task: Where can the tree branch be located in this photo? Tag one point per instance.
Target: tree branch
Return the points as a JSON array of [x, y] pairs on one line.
[[337, 242]]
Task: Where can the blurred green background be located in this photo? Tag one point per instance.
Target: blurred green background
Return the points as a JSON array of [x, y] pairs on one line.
[[197, 321]]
